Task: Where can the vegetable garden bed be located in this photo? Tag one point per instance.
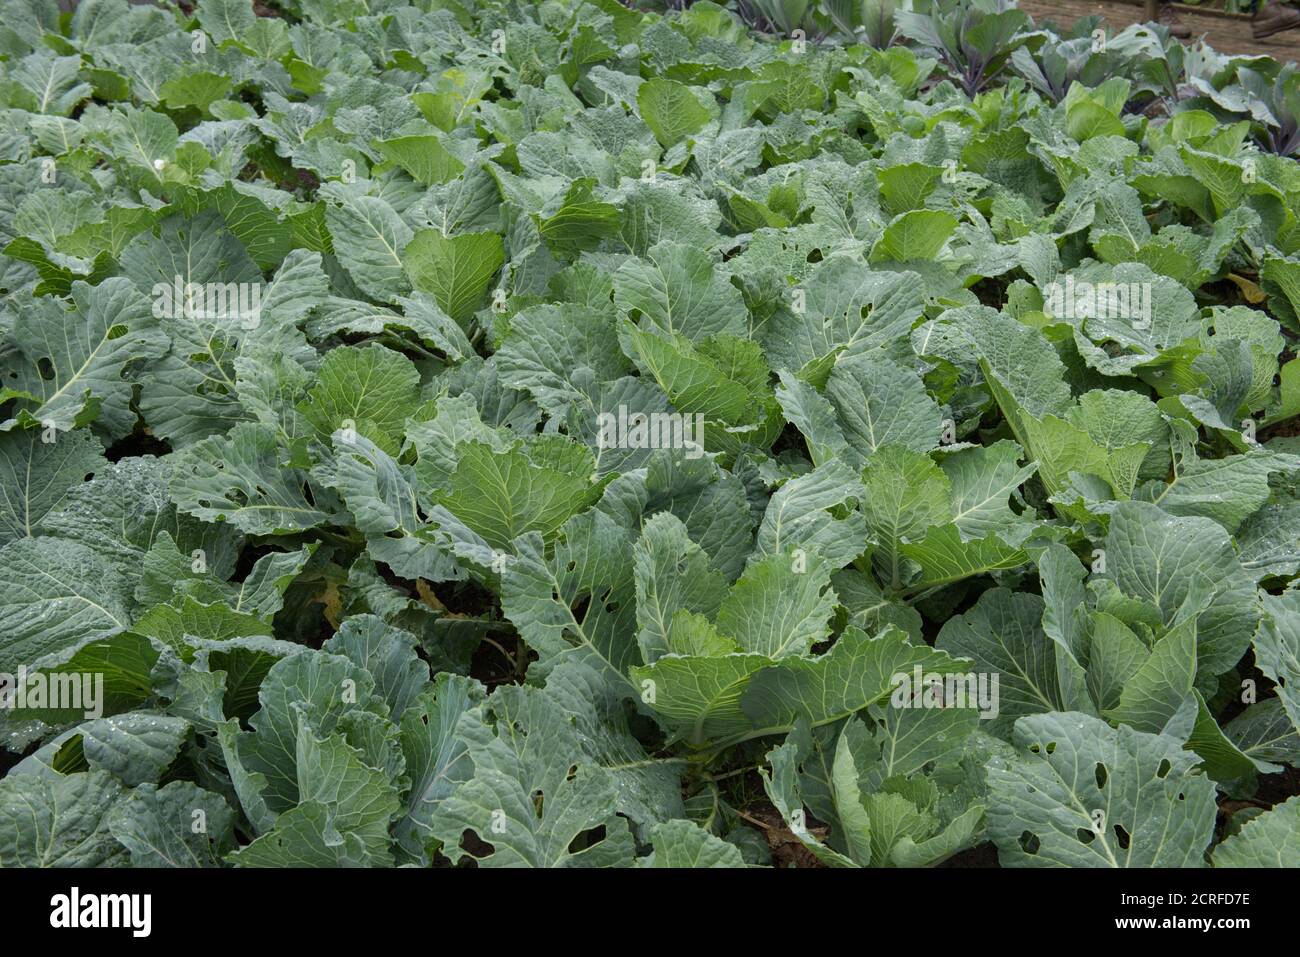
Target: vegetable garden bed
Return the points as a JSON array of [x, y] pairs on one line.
[[499, 434]]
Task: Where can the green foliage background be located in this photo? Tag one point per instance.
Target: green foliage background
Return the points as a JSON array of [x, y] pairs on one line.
[[366, 587]]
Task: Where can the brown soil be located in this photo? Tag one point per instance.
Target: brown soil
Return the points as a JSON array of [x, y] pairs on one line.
[[1227, 35], [787, 849]]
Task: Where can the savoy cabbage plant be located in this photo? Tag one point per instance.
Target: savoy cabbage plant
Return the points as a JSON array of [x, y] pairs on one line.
[[478, 432]]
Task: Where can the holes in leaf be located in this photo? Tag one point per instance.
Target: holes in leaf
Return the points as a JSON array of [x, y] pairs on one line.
[[539, 802], [1164, 769], [587, 839], [116, 332], [46, 368], [475, 846], [1051, 747], [572, 566], [815, 256], [1121, 836], [1086, 835], [1100, 771], [1028, 842]]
